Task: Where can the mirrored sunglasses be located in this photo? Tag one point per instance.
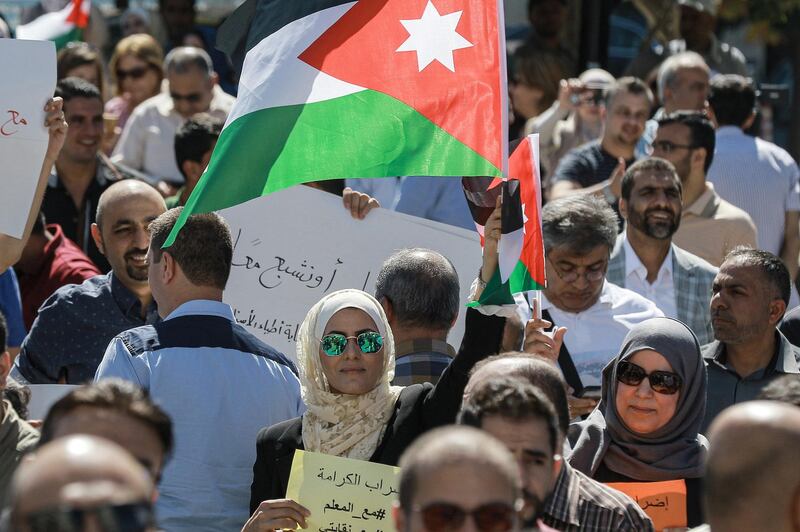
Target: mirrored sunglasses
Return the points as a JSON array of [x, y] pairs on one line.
[[334, 344], [664, 382], [492, 517]]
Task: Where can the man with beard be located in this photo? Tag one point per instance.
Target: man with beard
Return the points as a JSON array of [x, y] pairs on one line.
[[590, 167], [644, 258], [750, 294], [76, 323], [710, 226]]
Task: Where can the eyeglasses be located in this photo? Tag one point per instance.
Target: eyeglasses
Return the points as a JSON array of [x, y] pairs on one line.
[[334, 344], [195, 97], [664, 382], [134, 73], [492, 517], [591, 275], [666, 146], [133, 517]]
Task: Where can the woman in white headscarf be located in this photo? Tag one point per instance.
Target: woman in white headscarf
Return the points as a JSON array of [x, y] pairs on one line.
[[345, 354]]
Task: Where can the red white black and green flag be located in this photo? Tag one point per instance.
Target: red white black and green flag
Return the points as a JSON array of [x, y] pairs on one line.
[[62, 26], [521, 248], [368, 88]]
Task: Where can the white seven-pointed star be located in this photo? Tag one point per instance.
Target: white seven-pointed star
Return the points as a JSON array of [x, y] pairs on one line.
[[434, 37], [524, 219]]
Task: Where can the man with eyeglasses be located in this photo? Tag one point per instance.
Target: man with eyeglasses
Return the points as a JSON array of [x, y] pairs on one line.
[[591, 167], [218, 383], [147, 141], [81, 484], [644, 258], [710, 226], [455, 478], [750, 295], [591, 315]]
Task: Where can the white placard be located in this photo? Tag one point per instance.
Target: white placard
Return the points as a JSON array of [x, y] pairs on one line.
[[44, 395], [296, 245], [27, 81]]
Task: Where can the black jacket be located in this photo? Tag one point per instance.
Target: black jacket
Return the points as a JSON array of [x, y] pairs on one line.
[[419, 408]]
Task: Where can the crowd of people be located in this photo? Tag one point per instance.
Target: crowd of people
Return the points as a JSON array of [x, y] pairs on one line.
[[662, 350]]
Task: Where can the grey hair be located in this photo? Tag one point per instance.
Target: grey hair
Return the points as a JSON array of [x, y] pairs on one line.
[[186, 58], [579, 223], [668, 70], [422, 287]]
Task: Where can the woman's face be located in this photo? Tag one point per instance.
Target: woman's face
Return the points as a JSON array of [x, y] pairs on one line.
[[352, 372], [137, 78], [641, 409]]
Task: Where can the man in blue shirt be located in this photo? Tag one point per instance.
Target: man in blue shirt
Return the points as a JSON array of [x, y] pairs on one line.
[[219, 384], [11, 308]]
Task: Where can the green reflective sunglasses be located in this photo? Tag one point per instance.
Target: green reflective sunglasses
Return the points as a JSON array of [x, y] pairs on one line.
[[334, 344]]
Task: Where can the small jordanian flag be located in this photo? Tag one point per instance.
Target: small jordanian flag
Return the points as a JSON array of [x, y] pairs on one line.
[[63, 26], [521, 249], [369, 88]]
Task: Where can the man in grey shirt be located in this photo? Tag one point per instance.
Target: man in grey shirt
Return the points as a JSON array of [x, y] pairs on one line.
[[750, 294]]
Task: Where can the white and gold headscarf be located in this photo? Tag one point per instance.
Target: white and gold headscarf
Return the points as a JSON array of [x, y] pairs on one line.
[[339, 424]]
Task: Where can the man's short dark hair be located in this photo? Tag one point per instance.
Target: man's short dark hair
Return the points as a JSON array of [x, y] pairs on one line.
[[651, 165], [116, 395], [630, 85], [771, 266], [513, 399], [69, 88], [733, 99], [701, 131], [195, 138], [580, 223], [422, 287], [785, 389], [203, 248], [3, 333]]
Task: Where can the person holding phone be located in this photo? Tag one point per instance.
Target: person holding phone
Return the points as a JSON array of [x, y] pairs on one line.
[[646, 427]]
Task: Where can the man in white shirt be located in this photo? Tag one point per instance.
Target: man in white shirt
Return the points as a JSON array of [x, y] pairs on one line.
[[644, 258], [753, 174], [592, 316], [147, 141]]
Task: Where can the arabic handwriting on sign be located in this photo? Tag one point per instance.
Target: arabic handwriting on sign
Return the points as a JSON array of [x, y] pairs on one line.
[[336, 527], [11, 126], [267, 326], [334, 506], [656, 503]]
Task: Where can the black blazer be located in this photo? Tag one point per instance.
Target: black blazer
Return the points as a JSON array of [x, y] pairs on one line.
[[419, 408]]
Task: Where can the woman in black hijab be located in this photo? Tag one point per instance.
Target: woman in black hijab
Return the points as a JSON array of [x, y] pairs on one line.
[[645, 428]]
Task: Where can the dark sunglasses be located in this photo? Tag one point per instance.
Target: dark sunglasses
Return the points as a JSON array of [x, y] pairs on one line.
[[664, 382], [334, 344], [195, 97], [492, 517], [134, 73], [133, 517]]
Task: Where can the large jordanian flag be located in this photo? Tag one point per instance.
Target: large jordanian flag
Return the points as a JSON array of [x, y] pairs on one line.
[[373, 88], [62, 26]]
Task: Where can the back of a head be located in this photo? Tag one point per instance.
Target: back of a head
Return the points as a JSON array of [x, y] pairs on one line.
[[454, 446], [784, 389], [203, 248], [732, 98], [422, 287], [116, 395], [649, 166], [195, 137], [579, 223], [77, 472], [672, 65], [751, 482], [69, 88], [701, 131]]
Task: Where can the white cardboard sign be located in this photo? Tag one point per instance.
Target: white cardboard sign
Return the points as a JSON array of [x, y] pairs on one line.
[[295, 246]]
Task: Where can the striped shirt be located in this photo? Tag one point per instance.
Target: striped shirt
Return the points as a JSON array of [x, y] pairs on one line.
[[758, 177]]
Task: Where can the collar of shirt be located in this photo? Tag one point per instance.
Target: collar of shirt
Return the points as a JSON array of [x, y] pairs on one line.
[[784, 360], [126, 300], [701, 206], [633, 265], [101, 176], [420, 345], [730, 131], [205, 307], [606, 298], [166, 106]]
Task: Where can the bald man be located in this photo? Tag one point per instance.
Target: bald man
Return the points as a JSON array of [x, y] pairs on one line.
[[82, 479], [76, 323], [752, 475]]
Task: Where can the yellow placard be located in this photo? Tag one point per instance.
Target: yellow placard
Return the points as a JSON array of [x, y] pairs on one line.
[[343, 495], [664, 502]]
